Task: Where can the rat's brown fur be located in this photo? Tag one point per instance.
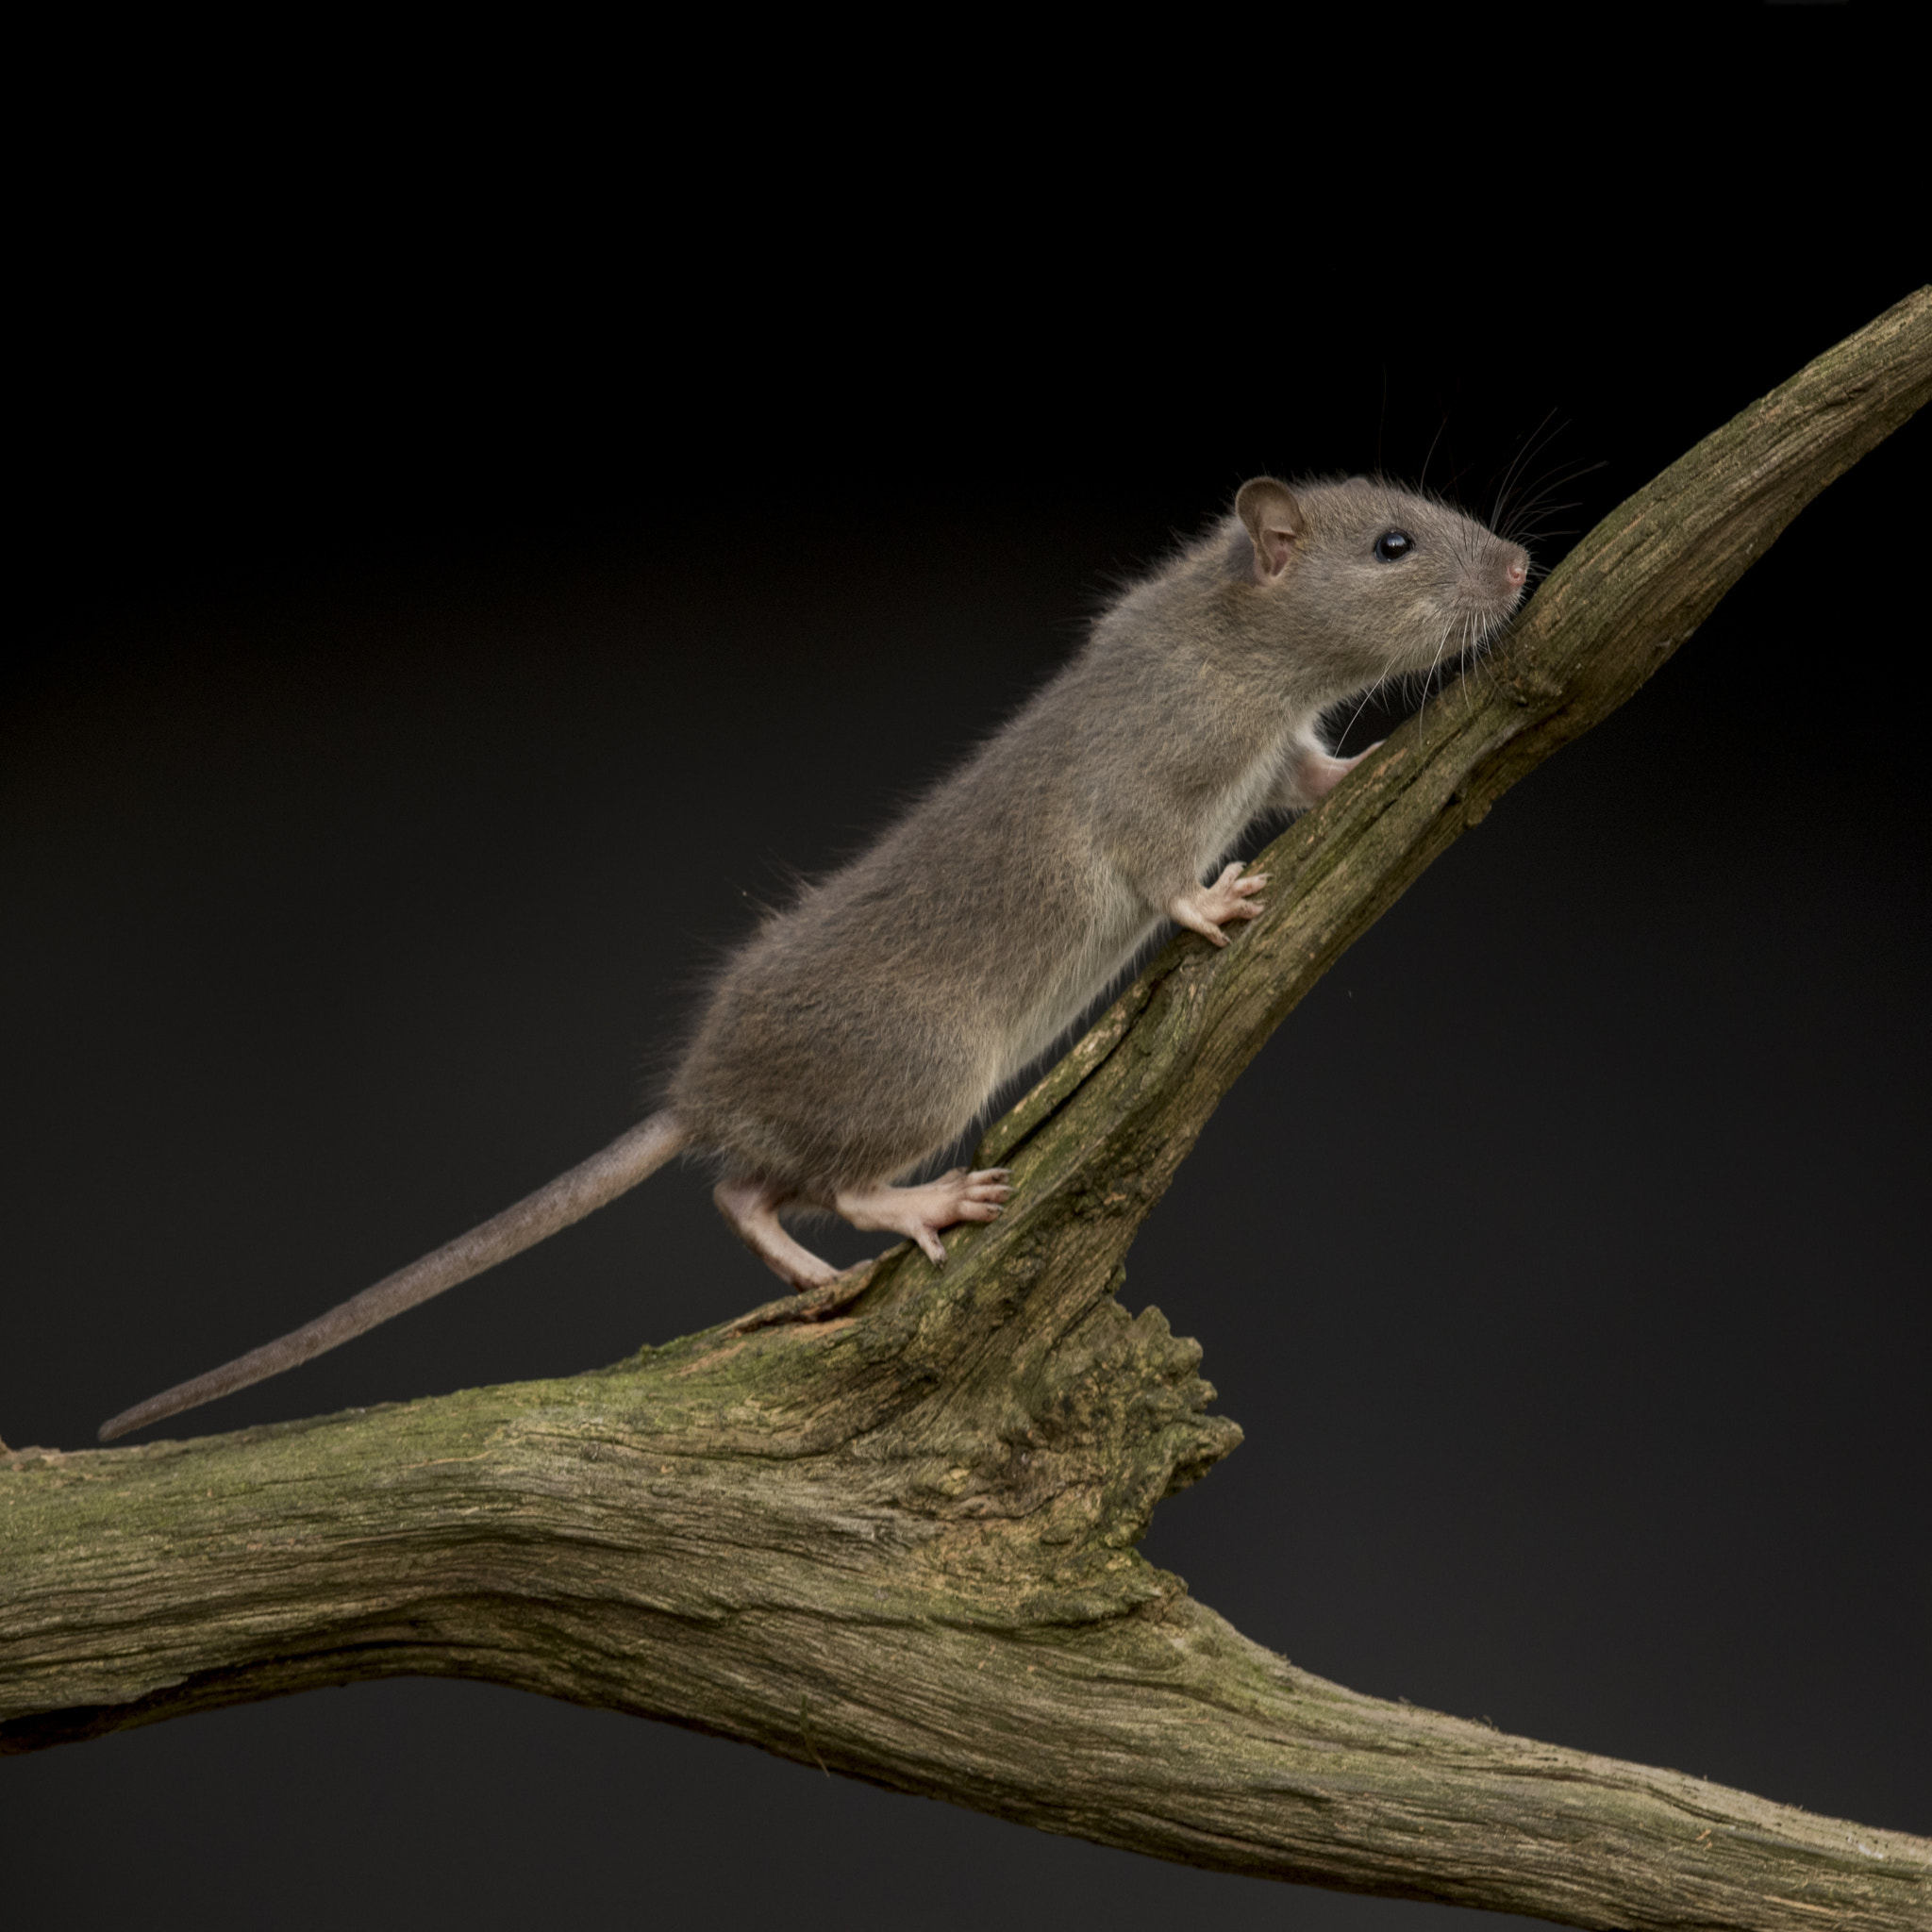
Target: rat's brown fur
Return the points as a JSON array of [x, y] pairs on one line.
[[864, 1029]]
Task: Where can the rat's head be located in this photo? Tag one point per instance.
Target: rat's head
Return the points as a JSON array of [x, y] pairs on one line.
[[1374, 582]]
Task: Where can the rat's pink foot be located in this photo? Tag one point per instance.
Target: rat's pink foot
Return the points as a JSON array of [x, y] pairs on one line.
[[921, 1212], [1205, 908]]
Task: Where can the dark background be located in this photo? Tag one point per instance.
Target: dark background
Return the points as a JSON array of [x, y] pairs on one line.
[[422, 679]]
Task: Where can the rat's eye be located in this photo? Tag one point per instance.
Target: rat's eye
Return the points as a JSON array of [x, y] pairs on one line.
[[1391, 544]]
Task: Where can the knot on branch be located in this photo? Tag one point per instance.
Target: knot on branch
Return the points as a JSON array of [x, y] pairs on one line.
[[1093, 1430]]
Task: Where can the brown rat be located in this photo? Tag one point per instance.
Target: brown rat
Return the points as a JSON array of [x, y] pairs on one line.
[[863, 1030]]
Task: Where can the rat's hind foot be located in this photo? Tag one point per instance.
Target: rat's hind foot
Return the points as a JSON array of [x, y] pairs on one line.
[[752, 1208], [919, 1213], [1205, 908]]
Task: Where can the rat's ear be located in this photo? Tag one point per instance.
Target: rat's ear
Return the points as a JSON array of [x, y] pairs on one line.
[[1273, 520]]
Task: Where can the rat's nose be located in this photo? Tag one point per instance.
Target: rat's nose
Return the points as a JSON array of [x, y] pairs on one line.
[[1517, 572]]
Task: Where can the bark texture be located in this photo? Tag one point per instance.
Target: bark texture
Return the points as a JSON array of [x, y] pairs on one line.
[[890, 1530]]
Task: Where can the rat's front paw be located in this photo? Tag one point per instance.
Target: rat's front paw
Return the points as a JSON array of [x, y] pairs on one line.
[[1314, 774], [1206, 909]]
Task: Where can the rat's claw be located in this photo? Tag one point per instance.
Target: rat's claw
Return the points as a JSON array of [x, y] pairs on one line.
[[981, 1194]]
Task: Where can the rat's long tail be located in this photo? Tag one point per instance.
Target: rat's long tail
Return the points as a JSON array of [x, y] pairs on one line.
[[571, 1196]]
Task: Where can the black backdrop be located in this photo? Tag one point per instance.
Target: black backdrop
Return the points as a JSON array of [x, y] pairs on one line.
[[423, 678]]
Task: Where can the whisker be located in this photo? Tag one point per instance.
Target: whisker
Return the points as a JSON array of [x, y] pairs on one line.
[[1424, 484], [1520, 459], [1430, 673]]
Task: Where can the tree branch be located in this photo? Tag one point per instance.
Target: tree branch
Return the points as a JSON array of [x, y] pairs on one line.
[[897, 1539]]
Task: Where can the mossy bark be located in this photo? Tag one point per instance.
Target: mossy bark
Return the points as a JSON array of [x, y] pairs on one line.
[[890, 1531]]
